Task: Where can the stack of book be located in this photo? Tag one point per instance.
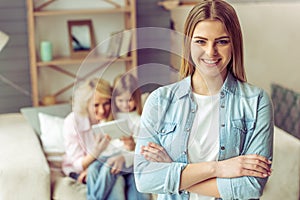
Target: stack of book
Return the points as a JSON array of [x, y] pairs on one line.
[[119, 44]]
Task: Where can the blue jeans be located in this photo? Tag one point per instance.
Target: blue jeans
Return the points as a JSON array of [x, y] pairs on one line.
[[102, 184]]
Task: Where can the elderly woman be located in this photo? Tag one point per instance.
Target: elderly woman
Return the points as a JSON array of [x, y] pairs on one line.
[[91, 158]]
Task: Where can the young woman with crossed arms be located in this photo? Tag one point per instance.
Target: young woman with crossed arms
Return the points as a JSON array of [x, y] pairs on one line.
[[209, 135]]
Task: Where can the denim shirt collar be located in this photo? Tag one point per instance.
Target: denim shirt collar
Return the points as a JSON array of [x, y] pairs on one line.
[[230, 83], [185, 87]]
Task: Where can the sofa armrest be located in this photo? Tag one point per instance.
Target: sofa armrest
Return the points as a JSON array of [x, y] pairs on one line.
[[284, 183], [24, 171]]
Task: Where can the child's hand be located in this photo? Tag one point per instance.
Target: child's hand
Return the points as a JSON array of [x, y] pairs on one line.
[[155, 153], [101, 143], [116, 163], [129, 143], [82, 177]]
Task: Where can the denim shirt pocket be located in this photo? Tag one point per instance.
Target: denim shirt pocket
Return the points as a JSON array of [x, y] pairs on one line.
[[166, 128], [166, 134], [242, 130]]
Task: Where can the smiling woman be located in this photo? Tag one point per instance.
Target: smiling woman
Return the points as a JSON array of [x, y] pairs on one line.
[[211, 52], [97, 159], [209, 135]]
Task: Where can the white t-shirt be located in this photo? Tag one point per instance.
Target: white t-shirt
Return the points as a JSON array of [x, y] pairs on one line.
[[203, 144]]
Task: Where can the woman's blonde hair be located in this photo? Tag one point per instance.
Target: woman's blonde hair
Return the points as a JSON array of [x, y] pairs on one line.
[[123, 83], [85, 92], [224, 12]]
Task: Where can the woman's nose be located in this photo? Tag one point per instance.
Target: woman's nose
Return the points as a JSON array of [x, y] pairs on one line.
[[100, 109], [211, 50]]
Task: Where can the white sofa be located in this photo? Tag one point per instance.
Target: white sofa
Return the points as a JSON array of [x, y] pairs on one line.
[[25, 173]]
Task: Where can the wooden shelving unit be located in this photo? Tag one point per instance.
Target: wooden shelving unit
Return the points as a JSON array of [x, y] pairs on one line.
[[71, 61], [74, 12], [58, 63]]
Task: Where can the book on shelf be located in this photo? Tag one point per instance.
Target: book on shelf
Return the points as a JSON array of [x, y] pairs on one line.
[[126, 43], [119, 44], [114, 44]]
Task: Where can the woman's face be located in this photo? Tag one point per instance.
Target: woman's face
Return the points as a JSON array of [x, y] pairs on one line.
[[98, 108], [211, 48], [125, 102]]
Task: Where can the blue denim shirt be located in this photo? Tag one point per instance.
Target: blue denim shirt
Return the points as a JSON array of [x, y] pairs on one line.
[[246, 127]]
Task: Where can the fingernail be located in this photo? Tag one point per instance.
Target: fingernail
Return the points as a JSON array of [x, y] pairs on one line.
[[269, 161], [265, 175]]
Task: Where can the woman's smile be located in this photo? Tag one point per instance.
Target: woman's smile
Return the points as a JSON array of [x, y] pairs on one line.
[[211, 62]]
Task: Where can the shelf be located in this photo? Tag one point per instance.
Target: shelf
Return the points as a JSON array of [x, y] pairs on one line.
[[72, 61], [79, 12], [126, 12]]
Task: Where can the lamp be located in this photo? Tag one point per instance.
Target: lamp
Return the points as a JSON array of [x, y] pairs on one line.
[[3, 40]]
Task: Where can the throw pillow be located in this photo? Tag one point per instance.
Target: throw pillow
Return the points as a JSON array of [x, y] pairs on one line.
[[51, 133], [31, 114], [286, 109]]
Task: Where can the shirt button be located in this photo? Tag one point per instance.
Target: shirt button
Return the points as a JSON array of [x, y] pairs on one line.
[[222, 106], [184, 152], [193, 110], [188, 129], [222, 94], [222, 148], [223, 125], [163, 131]]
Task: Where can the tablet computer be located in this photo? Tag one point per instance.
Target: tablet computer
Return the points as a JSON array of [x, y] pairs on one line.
[[115, 129]]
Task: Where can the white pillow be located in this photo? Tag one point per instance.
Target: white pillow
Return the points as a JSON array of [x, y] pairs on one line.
[[52, 133]]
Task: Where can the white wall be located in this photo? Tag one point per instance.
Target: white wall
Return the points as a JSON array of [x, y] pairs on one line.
[[271, 41]]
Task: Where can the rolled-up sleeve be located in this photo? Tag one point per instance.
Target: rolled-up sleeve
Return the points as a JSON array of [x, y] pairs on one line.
[[261, 143], [153, 177], [160, 178]]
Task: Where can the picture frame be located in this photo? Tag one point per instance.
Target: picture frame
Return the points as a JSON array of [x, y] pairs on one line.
[[81, 37]]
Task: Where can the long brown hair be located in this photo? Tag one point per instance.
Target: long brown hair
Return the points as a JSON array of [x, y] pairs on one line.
[[224, 12]]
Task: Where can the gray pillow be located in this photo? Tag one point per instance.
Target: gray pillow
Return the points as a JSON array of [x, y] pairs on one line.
[[286, 109], [31, 114]]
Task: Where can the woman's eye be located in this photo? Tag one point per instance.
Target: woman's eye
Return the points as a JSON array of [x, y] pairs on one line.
[[223, 42], [106, 104], [200, 42]]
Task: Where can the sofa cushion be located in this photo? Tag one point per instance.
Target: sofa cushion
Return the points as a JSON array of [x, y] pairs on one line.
[[284, 183], [31, 114], [24, 173], [52, 139], [52, 133], [286, 109], [66, 188]]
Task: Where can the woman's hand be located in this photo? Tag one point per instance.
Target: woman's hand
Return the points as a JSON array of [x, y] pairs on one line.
[[155, 153], [246, 165], [129, 143], [82, 177], [116, 163], [101, 143]]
